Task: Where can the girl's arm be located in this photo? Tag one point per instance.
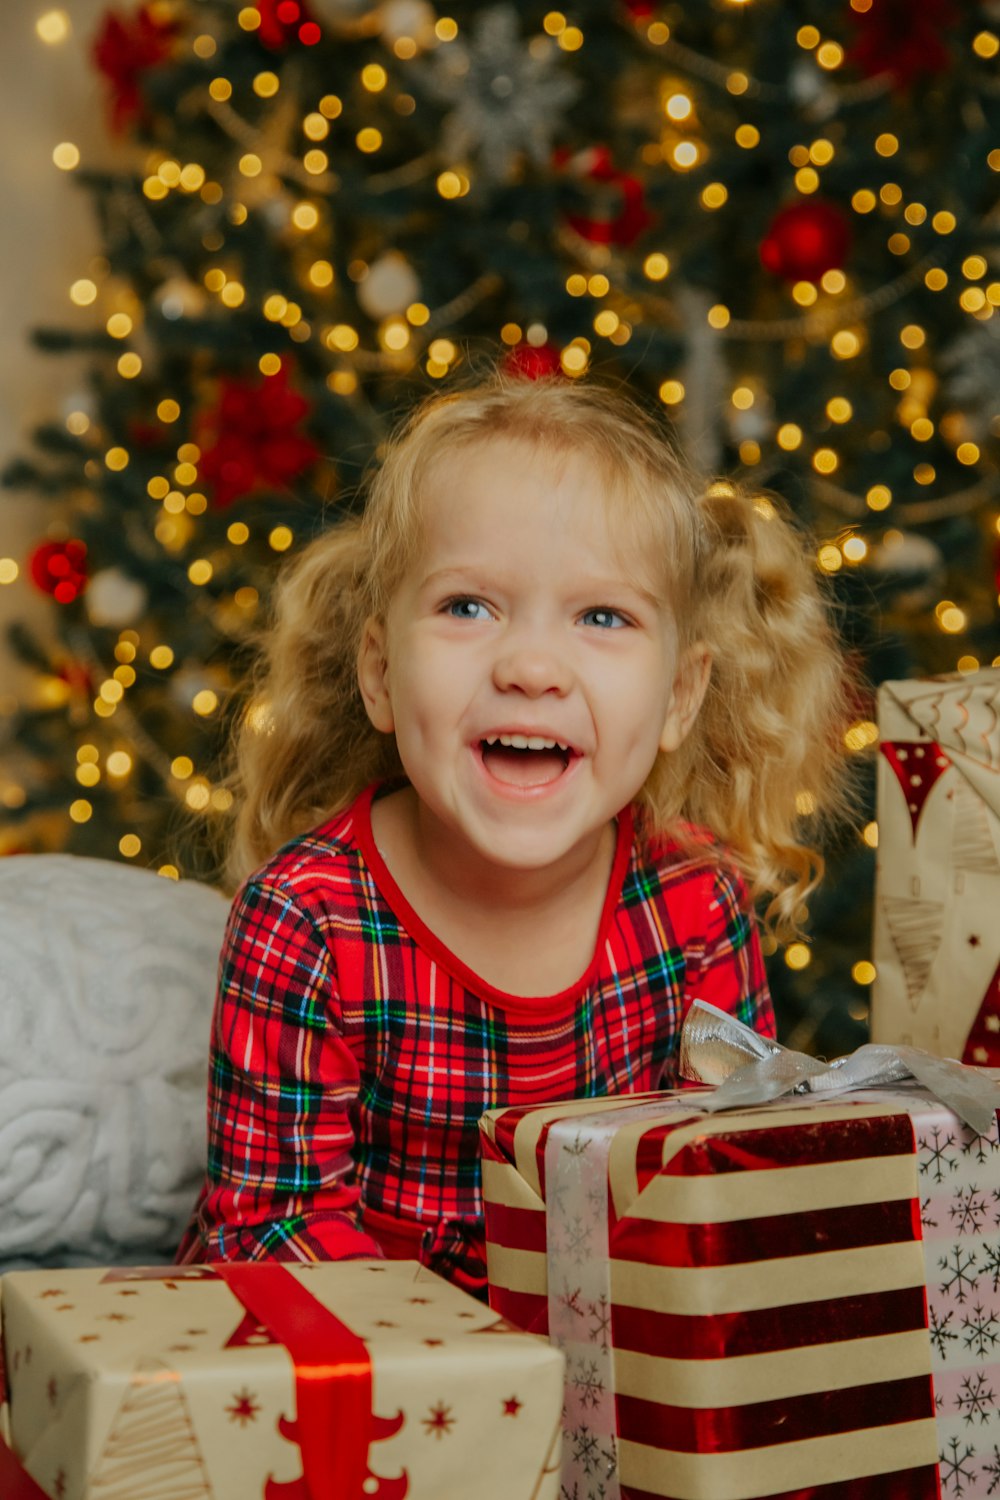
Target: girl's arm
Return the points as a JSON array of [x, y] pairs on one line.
[[280, 1085]]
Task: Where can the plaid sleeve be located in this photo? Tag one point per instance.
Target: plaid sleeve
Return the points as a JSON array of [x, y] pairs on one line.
[[727, 969], [281, 1081], [731, 974]]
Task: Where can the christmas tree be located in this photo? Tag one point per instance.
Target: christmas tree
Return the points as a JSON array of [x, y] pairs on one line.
[[775, 219]]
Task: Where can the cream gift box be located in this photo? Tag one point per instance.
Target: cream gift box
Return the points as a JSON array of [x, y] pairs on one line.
[[360, 1380], [797, 1300], [936, 945]]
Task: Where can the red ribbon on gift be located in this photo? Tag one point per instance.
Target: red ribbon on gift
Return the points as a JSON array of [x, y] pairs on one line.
[[334, 1424]]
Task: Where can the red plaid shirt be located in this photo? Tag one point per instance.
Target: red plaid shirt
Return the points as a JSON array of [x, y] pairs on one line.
[[353, 1053]]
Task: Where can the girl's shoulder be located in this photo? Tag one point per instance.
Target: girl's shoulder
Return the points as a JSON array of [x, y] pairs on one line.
[[687, 856], [322, 860]]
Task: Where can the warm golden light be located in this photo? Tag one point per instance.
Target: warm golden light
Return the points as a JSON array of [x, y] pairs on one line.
[[66, 156], [52, 27]]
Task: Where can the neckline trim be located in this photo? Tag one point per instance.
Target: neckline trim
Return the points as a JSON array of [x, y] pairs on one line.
[[442, 955]]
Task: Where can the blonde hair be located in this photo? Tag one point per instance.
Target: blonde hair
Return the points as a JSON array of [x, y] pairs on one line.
[[764, 766]]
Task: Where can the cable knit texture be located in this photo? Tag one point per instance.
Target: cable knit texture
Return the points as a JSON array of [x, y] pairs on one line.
[[107, 978]]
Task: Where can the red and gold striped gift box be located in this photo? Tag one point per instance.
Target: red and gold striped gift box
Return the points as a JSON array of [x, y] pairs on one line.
[[766, 1305]]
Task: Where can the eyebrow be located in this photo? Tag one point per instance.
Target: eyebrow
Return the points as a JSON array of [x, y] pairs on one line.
[[593, 586]]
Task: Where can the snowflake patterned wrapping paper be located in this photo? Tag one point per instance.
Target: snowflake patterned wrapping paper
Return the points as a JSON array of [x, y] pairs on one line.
[[795, 1302], [936, 943], [164, 1384]]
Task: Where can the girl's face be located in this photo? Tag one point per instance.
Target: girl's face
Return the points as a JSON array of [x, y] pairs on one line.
[[526, 618]]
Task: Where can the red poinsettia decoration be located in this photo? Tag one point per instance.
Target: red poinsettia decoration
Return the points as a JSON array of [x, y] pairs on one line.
[[905, 40], [619, 214], [60, 569], [125, 48], [282, 21], [250, 439]]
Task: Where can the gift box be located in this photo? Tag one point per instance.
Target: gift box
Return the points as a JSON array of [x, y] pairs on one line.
[[359, 1380], [936, 944], [799, 1301]]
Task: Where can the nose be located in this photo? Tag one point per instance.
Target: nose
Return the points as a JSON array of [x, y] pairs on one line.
[[531, 664]]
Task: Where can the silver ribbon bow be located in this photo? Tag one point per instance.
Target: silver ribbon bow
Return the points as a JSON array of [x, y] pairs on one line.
[[716, 1048]]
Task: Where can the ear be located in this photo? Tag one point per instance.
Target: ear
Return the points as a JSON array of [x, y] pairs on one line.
[[373, 668], [690, 683]]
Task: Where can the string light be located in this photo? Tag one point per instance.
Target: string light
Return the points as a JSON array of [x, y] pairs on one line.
[[53, 27], [66, 156]]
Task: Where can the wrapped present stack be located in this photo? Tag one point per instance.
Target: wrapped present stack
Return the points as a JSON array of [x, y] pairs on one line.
[[937, 900], [363, 1380], [796, 1301]]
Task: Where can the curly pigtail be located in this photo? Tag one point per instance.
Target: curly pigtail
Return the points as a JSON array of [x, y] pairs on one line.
[[764, 766], [304, 746]]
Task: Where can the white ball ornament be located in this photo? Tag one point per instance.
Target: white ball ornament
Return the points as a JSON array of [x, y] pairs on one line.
[[390, 286], [114, 599], [410, 18], [916, 564], [179, 298]]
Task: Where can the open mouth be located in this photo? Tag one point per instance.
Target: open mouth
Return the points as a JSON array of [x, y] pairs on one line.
[[525, 761]]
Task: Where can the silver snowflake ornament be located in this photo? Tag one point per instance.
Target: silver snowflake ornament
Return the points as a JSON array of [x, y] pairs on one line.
[[509, 97], [973, 365]]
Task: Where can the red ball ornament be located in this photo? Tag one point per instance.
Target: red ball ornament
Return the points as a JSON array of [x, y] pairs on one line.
[[284, 21], [533, 361], [805, 239], [59, 569], [902, 40]]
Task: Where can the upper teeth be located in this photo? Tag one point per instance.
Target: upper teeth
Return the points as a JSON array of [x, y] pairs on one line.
[[525, 742]]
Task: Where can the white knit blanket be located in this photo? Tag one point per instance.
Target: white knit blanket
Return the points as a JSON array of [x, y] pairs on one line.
[[107, 975]]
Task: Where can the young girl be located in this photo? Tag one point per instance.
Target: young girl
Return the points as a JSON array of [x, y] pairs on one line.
[[531, 737]]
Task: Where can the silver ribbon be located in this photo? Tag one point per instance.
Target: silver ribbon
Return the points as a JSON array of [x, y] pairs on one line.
[[718, 1049], [579, 1285]]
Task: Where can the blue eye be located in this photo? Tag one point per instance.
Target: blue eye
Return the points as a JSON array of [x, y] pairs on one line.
[[464, 609], [606, 619]]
